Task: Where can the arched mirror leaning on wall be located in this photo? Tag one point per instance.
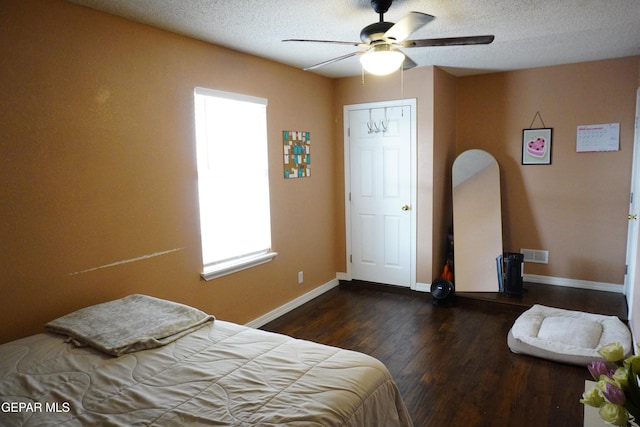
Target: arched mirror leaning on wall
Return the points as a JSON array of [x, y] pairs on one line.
[[477, 221]]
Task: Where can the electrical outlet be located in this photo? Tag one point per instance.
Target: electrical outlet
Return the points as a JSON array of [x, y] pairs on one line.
[[300, 277]]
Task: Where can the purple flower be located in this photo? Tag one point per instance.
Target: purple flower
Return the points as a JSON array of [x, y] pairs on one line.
[[614, 395], [597, 369]]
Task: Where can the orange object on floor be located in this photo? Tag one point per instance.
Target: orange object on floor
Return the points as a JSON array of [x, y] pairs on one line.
[[447, 273]]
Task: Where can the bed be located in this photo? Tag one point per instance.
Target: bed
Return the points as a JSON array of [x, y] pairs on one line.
[[209, 372]]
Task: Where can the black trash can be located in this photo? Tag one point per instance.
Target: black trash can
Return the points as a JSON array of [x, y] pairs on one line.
[[513, 273]]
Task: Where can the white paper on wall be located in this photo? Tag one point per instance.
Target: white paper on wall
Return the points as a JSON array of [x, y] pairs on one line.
[[603, 137]]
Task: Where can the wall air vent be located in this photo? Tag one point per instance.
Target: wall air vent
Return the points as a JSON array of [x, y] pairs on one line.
[[535, 255]]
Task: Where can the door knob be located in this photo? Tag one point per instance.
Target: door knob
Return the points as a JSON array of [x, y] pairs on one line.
[[406, 208], [631, 216]]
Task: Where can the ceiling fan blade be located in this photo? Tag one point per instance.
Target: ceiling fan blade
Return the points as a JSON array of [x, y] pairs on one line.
[[331, 61], [324, 41], [407, 26], [408, 63], [449, 41]]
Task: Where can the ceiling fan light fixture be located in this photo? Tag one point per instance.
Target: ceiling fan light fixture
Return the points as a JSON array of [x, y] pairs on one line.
[[382, 60]]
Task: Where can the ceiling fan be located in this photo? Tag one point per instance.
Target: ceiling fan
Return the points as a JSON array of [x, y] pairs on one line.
[[381, 41]]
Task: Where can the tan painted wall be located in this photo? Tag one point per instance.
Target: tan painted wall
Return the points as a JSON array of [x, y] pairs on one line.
[[97, 166], [576, 208], [444, 153]]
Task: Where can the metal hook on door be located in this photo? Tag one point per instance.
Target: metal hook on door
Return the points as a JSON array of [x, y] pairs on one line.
[[384, 123], [380, 126]]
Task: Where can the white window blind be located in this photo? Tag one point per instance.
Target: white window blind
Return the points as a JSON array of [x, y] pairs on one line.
[[233, 181]]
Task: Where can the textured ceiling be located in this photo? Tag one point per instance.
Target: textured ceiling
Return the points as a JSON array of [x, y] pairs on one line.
[[527, 33]]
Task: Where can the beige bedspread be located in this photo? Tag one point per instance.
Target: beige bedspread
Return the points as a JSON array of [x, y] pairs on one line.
[[222, 374]]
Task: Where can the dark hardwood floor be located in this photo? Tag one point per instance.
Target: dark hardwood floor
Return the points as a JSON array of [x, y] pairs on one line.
[[452, 365]]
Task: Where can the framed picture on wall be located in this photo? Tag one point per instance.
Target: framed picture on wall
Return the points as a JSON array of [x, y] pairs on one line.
[[536, 146]]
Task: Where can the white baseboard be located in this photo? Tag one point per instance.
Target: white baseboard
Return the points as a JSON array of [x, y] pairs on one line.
[[574, 283], [293, 304], [423, 287], [556, 281], [543, 280], [343, 276], [426, 287]]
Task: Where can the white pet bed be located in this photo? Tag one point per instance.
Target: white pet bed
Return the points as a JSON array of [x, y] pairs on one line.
[[566, 336]]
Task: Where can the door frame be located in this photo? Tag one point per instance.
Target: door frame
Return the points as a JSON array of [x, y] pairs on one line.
[[630, 277], [412, 104]]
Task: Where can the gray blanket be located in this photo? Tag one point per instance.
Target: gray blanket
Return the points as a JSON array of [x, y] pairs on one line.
[[133, 323]]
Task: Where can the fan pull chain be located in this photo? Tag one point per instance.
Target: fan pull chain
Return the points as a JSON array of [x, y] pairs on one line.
[[402, 90]]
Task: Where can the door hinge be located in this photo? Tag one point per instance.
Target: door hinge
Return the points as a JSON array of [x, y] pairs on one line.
[[351, 259], [349, 195], [349, 132], [626, 270]]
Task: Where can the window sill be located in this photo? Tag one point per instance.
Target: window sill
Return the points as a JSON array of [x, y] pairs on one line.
[[234, 266]]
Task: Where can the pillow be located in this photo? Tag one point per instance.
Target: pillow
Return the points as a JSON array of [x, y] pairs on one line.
[[584, 333]]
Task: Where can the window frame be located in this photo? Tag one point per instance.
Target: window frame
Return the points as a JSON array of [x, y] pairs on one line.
[[222, 267]]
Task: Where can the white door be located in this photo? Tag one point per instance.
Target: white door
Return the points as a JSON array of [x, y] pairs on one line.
[[380, 145], [634, 207]]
